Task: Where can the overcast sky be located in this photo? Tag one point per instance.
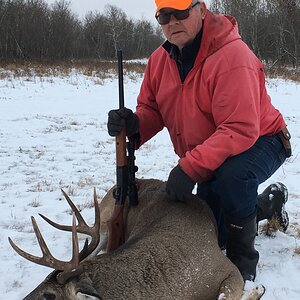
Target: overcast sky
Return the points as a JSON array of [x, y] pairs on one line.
[[133, 8]]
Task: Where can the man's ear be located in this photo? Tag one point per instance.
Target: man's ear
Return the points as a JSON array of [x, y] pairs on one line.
[[85, 290]]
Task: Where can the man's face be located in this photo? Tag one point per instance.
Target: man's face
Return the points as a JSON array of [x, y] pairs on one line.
[[183, 32]]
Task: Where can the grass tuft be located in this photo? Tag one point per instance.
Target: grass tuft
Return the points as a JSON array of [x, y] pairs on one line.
[[271, 227], [297, 251], [284, 72], [34, 203]]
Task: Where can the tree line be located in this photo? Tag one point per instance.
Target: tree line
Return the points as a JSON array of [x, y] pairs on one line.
[[269, 27], [33, 30]]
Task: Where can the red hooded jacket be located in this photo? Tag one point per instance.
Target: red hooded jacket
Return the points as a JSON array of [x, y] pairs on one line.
[[220, 109]]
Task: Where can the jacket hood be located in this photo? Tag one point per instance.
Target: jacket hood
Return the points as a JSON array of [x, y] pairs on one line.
[[218, 30]]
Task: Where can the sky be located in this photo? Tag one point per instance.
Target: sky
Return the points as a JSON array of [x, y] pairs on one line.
[[53, 135], [136, 9]]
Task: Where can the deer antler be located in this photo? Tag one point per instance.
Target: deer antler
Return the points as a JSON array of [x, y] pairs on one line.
[[82, 227], [47, 259]]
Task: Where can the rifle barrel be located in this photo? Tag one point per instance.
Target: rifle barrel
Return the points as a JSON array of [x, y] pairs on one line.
[[122, 166], [120, 77]]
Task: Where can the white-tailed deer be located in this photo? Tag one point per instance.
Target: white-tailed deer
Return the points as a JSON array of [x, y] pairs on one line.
[[171, 252]]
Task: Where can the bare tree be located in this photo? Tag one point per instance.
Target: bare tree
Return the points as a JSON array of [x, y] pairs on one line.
[[95, 28], [270, 28], [64, 30], [116, 19]]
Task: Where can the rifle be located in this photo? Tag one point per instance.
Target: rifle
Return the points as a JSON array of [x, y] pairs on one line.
[[126, 185]]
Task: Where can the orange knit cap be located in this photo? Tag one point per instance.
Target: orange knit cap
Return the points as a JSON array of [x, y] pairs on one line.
[[176, 4]]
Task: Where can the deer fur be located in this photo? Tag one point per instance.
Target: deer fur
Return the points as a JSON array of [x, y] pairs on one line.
[[171, 252]]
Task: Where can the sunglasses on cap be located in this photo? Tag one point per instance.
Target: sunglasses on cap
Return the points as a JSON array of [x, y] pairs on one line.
[[164, 18]]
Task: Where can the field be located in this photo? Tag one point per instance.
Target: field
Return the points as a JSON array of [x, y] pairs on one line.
[[53, 135]]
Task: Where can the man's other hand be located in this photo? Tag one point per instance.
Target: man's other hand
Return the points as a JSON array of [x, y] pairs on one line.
[[179, 185]]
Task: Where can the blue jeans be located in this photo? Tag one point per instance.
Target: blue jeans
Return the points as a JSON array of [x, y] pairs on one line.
[[232, 193]]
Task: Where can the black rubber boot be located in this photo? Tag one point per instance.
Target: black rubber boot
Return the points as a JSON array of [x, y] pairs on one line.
[[271, 203], [240, 245]]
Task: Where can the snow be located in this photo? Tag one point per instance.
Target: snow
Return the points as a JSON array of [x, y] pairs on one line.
[[53, 135]]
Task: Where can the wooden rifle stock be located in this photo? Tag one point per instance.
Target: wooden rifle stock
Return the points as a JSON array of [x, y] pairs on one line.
[[116, 224]]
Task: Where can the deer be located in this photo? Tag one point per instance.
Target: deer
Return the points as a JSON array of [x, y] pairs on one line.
[[170, 252]]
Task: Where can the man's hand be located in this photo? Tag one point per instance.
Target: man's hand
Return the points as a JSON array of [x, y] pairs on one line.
[[179, 184], [118, 118]]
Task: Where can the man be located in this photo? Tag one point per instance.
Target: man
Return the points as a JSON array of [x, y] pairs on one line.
[[208, 89]]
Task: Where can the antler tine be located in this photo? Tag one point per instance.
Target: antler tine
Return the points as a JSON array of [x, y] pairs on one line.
[[82, 227], [75, 257], [32, 258], [43, 246], [48, 259], [75, 210], [97, 212], [77, 214], [94, 231], [56, 225]]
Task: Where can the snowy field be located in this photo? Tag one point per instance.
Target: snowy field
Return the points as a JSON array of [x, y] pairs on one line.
[[53, 135]]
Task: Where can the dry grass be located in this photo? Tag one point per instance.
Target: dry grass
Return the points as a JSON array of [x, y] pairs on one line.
[[34, 203], [89, 204], [98, 69], [41, 186], [287, 73], [271, 227], [16, 284], [103, 69], [85, 182], [71, 191], [297, 249]]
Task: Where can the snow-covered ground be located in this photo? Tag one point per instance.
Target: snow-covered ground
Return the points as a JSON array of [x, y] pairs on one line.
[[53, 135]]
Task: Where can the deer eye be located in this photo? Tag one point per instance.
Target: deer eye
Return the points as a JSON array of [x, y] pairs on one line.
[[49, 296]]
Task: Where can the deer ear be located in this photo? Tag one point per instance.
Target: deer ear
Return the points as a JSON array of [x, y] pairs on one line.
[[85, 290], [83, 296]]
